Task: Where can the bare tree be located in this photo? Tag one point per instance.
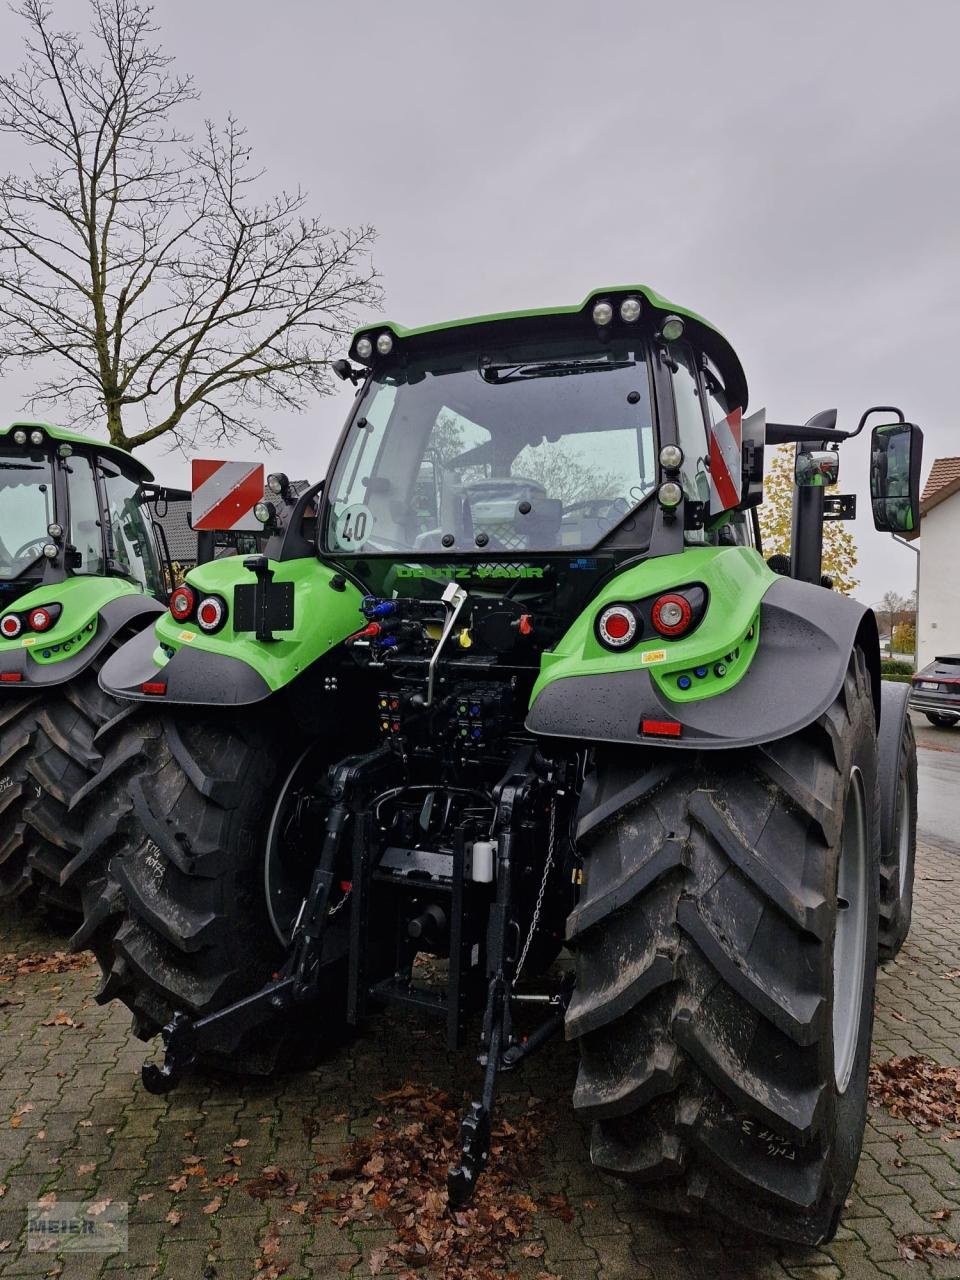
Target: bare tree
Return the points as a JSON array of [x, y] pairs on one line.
[[159, 291]]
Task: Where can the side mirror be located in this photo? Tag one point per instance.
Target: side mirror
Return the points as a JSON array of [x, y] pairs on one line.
[[818, 467], [896, 452]]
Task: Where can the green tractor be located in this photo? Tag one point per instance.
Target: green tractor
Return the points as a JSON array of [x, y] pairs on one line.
[[515, 688], [82, 568]]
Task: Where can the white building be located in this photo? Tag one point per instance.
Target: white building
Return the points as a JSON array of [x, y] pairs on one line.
[[939, 605]]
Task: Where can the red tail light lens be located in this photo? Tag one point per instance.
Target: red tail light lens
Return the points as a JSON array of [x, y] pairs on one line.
[[617, 626], [211, 613], [10, 626], [182, 602], [671, 615], [40, 619]]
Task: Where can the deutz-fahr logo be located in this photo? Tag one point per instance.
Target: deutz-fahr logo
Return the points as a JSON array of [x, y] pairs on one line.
[[464, 572]]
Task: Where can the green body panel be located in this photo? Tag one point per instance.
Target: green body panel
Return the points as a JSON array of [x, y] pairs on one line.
[[82, 598], [126, 461], [322, 618], [736, 579], [653, 298]]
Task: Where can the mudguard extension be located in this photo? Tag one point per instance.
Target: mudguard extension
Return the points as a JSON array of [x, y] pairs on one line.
[[197, 676], [110, 618], [806, 635]]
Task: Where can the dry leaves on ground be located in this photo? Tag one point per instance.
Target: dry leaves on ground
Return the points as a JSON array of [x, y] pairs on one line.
[[917, 1089], [14, 966], [60, 1019], [911, 1248], [269, 1265], [400, 1174]]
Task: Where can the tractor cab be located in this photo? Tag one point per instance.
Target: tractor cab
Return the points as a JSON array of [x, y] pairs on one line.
[[74, 508]]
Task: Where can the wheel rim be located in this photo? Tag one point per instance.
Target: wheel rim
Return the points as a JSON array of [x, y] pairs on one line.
[[286, 877], [903, 836], [850, 940]]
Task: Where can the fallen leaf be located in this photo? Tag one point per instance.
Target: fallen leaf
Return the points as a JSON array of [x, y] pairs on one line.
[[5, 1245], [146, 1195], [3, 1189], [941, 1215], [87, 1168], [60, 1019], [214, 1205], [533, 1250], [299, 1206], [15, 1122], [173, 1217], [97, 1208], [378, 1260], [49, 1199], [41, 1134], [178, 1184], [240, 1142], [231, 1159]]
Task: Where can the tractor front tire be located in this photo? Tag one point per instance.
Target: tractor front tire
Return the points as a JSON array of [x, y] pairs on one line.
[[174, 903], [726, 942], [898, 847]]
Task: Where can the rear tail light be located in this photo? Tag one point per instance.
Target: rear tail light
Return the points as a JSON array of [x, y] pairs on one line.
[[10, 626], [617, 626], [156, 688], [181, 603], [41, 619], [10, 677], [671, 615], [211, 613]]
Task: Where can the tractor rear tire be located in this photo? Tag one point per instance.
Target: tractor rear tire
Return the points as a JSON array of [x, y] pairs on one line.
[[48, 755], [898, 854], [174, 904], [723, 1054]]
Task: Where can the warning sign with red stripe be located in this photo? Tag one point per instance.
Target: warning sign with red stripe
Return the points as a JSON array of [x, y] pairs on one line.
[[726, 462], [225, 493]]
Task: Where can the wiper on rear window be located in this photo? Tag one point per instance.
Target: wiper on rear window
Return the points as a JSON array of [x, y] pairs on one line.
[[549, 369]]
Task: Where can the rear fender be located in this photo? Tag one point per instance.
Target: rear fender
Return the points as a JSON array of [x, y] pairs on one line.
[[182, 664], [786, 674], [93, 611]]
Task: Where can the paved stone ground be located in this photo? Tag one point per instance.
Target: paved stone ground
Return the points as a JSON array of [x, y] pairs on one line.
[[90, 1112]]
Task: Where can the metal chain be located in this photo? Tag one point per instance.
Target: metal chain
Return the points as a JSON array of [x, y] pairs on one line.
[[342, 903], [547, 868]]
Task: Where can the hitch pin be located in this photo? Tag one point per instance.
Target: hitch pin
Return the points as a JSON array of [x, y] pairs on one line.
[[454, 598]]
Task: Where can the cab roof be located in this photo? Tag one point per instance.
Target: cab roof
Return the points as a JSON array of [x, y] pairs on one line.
[[524, 324], [127, 463]]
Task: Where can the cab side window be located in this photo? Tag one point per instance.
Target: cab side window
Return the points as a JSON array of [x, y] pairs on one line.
[[86, 532]]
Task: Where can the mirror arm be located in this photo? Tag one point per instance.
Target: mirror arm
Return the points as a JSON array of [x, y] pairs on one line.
[[782, 433], [877, 408]]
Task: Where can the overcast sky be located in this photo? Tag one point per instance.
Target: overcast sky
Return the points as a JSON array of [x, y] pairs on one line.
[[790, 171]]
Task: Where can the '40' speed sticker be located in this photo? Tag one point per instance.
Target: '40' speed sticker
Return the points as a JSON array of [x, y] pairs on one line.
[[354, 526]]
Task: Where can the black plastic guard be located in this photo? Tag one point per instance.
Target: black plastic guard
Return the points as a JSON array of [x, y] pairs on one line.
[[112, 618], [192, 675], [807, 634]]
